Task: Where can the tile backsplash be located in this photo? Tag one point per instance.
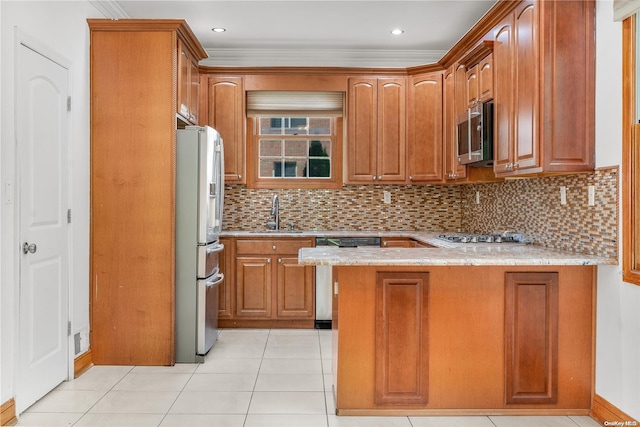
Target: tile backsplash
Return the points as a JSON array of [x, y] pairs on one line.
[[353, 207], [530, 206]]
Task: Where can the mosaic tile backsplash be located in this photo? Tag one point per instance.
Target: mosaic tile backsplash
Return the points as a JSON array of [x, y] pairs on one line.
[[353, 207], [531, 206]]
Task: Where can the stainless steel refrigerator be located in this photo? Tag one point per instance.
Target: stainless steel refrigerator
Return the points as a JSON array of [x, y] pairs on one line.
[[199, 205]]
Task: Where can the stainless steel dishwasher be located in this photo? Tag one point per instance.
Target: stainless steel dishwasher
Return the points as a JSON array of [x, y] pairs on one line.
[[323, 274]]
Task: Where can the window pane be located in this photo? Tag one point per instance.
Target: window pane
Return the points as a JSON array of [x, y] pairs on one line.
[[270, 168], [319, 126], [320, 148], [295, 148], [296, 126], [292, 169], [270, 147], [319, 168], [270, 125]]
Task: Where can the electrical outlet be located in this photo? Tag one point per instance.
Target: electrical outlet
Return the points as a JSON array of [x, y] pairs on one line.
[[477, 197], [386, 197], [592, 195], [563, 195]]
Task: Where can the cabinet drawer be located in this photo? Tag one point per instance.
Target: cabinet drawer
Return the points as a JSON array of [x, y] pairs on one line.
[[272, 246]]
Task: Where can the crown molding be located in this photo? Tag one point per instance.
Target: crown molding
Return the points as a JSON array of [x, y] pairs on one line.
[[109, 8], [320, 58]]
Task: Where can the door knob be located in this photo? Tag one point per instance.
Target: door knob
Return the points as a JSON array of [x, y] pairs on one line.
[[26, 247]]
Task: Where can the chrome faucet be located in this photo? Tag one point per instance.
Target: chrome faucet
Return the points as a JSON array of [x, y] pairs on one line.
[[275, 213]]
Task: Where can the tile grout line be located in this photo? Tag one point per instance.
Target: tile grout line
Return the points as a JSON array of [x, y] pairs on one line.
[[255, 384], [102, 397], [178, 396]]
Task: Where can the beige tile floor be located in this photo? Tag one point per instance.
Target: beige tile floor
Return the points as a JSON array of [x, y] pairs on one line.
[[251, 378]]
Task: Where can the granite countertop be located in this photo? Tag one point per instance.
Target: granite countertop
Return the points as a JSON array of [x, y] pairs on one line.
[[444, 253]]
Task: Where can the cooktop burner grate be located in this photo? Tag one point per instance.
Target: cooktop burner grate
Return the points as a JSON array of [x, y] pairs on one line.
[[477, 238]]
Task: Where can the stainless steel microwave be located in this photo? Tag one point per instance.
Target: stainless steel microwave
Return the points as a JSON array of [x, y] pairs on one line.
[[474, 135]]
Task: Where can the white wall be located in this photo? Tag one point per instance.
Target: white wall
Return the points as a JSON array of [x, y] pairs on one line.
[[618, 317], [62, 27]]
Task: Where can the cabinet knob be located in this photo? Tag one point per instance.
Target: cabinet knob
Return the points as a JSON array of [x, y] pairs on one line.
[[410, 178], [516, 165], [375, 177], [268, 260], [509, 166], [273, 247], [279, 260], [379, 177], [239, 176], [385, 244]]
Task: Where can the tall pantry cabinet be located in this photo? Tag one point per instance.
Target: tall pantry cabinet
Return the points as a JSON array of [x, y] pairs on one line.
[[134, 107]]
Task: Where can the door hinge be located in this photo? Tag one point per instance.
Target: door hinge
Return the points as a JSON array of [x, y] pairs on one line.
[[68, 103], [69, 328], [68, 216]]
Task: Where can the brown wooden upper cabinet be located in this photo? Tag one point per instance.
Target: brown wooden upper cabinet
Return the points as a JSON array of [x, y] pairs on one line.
[[544, 88], [485, 78], [480, 81], [376, 145], [451, 106], [188, 84], [425, 144], [226, 113]]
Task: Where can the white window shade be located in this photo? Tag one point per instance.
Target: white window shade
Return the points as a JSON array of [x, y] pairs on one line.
[[624, 8], [294, 103]]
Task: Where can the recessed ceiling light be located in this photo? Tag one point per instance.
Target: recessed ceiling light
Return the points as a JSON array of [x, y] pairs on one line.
[[397, 32], [219, 30]]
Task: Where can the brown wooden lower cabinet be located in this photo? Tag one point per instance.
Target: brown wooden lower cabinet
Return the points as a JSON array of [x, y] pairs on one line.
[[464, 339], [531, 337], [268, 287], [402, 338]]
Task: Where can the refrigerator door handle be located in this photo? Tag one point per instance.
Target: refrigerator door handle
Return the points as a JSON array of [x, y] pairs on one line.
[[215, 249], [215, 281]]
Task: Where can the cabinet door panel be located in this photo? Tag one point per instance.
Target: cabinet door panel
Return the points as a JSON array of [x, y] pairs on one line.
[[503, 96], [362, 125], [391, 129], [526, 88], [194, 88], [253, 287], [402, 348], [295, 289], [425, 128], [226, 115], [485, 78], [531, 337], [473, 86], [184, 91]]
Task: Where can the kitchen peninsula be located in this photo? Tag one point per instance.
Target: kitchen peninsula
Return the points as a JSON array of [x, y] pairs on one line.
[[461, 329]]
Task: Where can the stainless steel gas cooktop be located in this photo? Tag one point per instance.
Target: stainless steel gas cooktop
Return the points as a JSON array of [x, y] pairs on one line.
[[481, 238]]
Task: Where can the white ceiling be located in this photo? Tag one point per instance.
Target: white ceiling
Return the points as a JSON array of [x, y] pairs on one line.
[[315, 32]]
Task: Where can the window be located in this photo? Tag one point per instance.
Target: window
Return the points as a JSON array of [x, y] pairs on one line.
[[294, 139], [302, 149], [298, 152], [631, 153]]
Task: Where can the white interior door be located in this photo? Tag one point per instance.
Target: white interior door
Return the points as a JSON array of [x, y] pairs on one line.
[[42, 141]]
